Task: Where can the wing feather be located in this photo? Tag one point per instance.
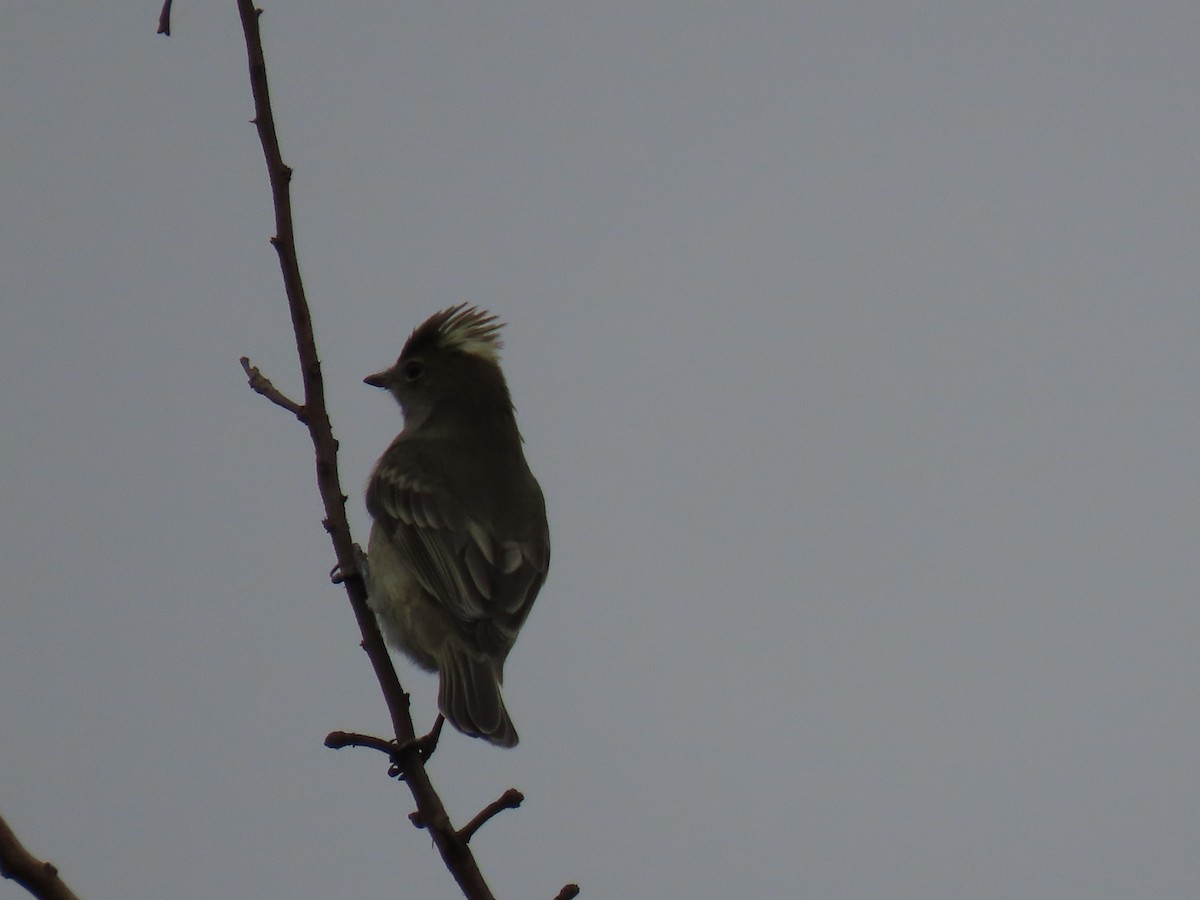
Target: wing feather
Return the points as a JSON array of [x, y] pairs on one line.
[[487, 585]]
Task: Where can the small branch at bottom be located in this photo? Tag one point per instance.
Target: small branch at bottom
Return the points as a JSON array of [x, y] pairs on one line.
[[510, 799]]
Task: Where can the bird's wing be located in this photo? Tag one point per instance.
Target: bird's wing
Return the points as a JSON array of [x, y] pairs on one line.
[[476, 577]]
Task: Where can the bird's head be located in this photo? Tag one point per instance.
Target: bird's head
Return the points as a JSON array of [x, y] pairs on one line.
[[449, 367]]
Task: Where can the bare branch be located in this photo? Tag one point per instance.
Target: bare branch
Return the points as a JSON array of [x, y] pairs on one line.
[[510, 799], [165, 18], [338, 740], [38, 877], [262, 384]]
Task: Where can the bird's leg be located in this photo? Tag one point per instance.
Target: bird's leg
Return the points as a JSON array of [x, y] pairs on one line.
[[339, 573]]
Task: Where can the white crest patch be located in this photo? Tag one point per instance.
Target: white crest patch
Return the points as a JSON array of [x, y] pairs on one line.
[[469, 329]]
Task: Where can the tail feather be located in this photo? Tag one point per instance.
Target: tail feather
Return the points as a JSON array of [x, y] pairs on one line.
[[469, 697]]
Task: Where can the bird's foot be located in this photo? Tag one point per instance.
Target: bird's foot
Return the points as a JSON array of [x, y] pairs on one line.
[[339, 574], [424, 745]]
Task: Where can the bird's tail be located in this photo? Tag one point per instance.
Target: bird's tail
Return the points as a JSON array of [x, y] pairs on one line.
[[469, 697]]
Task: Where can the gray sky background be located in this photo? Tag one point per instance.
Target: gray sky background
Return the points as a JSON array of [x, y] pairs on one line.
[[855, 345]]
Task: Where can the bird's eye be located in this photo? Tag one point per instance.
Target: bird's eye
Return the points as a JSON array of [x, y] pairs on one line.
[[413, 370]]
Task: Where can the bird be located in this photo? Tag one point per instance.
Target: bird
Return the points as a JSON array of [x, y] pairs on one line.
[[459, 544]]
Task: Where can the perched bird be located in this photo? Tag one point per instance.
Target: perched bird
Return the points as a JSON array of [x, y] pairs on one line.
[[459, 545]]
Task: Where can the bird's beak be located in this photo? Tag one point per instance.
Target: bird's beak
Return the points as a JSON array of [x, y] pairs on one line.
[[379, 379]]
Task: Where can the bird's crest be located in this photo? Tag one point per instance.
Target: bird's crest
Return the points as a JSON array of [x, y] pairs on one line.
[[462, 328]]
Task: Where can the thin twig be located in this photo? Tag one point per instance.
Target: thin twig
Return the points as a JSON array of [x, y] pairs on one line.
[[510, 799], [338, 740], [262, 384], [164, 18], [38, 877]]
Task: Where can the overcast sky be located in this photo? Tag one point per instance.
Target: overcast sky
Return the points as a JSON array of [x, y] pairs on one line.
[[855, 345]]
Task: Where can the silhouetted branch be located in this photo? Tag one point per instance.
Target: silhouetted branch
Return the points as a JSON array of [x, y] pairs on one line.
[[337, 740], [164, 18], [260, 383], [38, 877], [510, 799]]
